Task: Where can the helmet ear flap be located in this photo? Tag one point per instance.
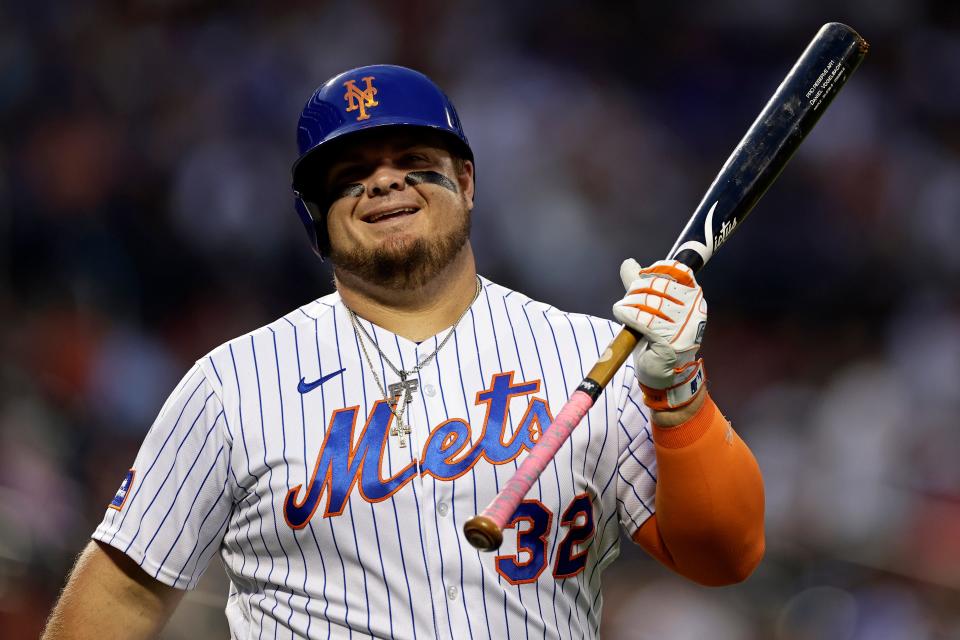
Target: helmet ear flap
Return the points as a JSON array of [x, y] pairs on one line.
[[314, 221]]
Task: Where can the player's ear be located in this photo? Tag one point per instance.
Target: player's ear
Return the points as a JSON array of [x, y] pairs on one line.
[[465, 179]]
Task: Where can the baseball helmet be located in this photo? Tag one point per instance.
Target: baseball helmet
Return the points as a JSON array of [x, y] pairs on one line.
[[355, 101]]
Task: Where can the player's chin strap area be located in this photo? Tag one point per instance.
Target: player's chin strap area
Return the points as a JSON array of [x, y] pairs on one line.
[[681, 394]]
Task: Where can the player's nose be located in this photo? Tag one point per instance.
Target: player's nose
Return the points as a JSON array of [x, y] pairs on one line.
[[384, 180]]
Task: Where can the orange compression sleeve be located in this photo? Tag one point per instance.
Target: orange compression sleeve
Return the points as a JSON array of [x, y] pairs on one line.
[[708, 524]]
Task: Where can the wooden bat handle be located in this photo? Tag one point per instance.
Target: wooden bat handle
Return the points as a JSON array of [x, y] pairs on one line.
[[614, 356]]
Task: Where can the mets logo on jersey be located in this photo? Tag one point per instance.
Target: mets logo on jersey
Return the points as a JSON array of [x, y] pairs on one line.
[[360, 99], [124, 490], [345, 462]]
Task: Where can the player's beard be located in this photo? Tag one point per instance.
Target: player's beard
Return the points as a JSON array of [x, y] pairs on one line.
[[404, 265]]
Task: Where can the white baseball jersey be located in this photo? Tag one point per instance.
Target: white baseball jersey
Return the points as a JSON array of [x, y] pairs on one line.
[[275, 452]]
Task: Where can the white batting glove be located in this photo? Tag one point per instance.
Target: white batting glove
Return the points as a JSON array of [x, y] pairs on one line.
[[665, 304]]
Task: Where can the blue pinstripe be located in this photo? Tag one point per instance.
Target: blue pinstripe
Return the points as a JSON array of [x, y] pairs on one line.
[[629, 515], [453, 505], [614, 544], [143, 479], [373, 512], [606, 406], [436, 521], [286, 465], [496, 342], [167, 477], [256, 369], [613, 474], [476, 508], [631, 449], [353, 526], [634, 491], [476, 505], [607, 400], [212, 538], [583, 373], [496, 480], [416, 503], [396, 514], [563, 375], [174, 501], [273, 500], [213, 365], [639, 410], [333, 536], [576, 342], [226, 423], [555, 539], [246, 454], [193, 503], [306, 474], [606, 432], [546, 393], [523, 375]]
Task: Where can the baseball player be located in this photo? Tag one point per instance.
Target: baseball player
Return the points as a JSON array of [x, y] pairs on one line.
[[332, 457]]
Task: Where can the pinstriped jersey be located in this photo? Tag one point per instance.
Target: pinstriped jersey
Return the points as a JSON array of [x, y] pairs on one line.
[[275, 452]]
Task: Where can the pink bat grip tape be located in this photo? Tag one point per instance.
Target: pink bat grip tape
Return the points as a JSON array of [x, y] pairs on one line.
[[496, 516]]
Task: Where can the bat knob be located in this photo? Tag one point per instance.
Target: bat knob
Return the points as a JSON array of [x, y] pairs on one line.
[[483, 533]]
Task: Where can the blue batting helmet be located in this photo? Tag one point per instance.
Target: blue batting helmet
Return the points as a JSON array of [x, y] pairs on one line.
[[358, 100]]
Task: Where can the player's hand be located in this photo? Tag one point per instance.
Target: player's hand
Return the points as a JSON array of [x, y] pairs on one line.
[[665, 304]]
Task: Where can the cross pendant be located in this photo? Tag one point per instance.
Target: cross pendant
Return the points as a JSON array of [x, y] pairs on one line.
[[402, 430], [406, 387]]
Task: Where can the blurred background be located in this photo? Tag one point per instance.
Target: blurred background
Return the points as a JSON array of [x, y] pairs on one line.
[[145, 217]]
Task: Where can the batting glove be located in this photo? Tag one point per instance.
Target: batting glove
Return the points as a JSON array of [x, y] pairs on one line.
[[665, 304]]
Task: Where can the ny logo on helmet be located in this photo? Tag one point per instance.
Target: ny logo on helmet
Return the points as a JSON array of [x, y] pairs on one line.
[[358, 98]]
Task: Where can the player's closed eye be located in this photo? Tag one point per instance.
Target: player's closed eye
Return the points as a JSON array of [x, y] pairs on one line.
[[415, 159], [344, 178]]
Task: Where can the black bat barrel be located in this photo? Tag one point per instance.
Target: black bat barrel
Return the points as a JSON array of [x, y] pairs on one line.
[[803, 96]]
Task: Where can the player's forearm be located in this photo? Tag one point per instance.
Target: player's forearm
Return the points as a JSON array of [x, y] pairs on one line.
[[709, 518], [105, 597]]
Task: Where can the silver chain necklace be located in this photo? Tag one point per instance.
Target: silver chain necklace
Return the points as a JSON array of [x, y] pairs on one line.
[[406, 386]]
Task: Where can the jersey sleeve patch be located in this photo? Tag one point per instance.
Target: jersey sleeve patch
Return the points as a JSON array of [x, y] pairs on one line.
[[124, 490]]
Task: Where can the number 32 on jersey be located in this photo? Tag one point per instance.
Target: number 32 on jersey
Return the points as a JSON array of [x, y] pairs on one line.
[[533, 521]]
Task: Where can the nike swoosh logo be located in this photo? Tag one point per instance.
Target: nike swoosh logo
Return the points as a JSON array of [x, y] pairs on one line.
[[307, 387]]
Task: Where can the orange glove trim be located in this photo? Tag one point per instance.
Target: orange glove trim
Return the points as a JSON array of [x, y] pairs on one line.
[[689, 315], [651, 311], [659, 399], [681, 276], [654, 292]]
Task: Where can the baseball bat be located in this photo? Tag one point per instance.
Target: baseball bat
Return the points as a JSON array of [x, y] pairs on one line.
[[806, 92]]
